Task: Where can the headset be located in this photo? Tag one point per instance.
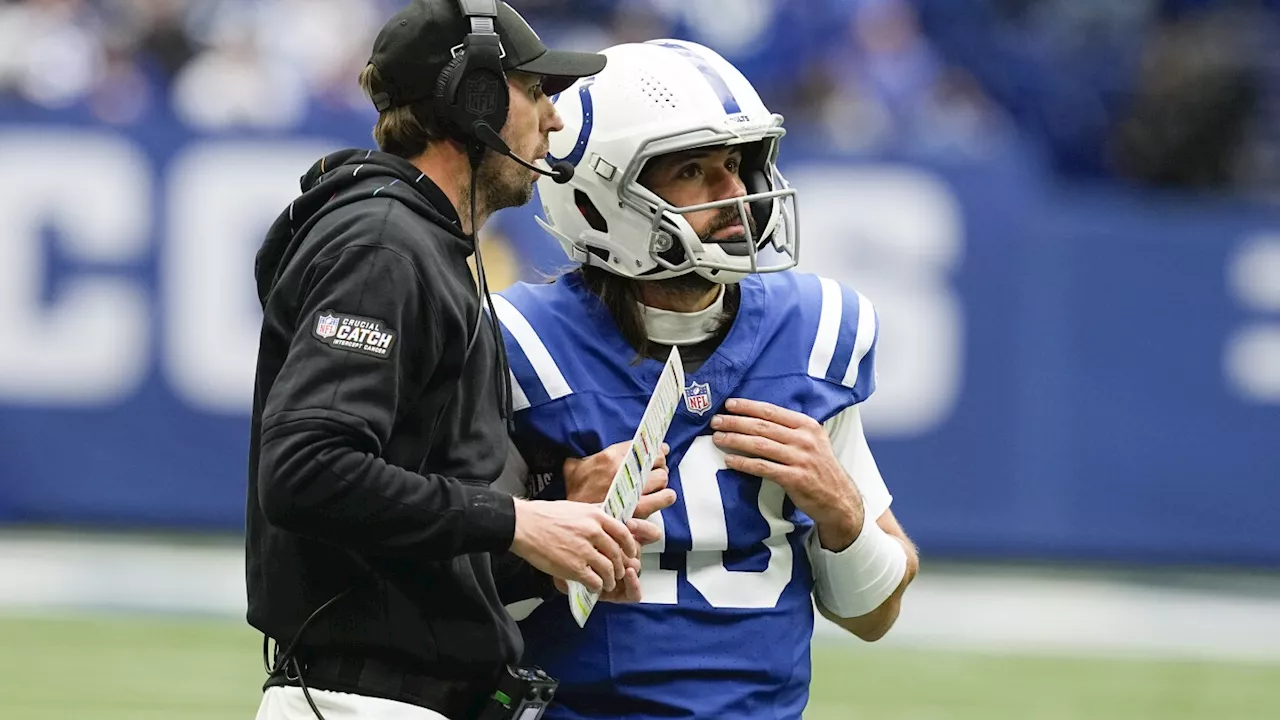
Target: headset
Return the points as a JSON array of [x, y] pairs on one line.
[[472, 100], [471, 93]]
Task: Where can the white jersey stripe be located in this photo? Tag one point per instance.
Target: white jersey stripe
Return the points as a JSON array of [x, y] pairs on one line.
[[824, 345], [519, 401], [548, 372], [866, 335]]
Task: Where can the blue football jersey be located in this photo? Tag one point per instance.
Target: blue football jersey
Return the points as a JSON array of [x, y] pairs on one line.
[[725, 625]]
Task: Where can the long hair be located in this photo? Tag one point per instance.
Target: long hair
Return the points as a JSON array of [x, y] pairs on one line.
[[621, 298], [400, 131]]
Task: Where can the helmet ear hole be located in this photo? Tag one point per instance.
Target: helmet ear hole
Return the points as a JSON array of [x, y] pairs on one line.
[[600, 252], [590, 213]]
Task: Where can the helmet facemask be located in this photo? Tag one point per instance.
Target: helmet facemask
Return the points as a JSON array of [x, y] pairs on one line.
[[767, 213]]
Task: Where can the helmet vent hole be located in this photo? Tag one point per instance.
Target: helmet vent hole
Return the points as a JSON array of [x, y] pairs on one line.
[[589, 212], [656, 91]]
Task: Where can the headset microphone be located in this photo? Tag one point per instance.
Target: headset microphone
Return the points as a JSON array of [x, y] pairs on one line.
[[561, 171]]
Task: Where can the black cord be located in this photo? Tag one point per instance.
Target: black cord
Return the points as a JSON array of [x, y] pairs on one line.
[[305, 692], [288, 657], [503, 369], [481, 282]]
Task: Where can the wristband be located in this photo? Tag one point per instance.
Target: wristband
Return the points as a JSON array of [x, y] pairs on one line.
[[858, 579]]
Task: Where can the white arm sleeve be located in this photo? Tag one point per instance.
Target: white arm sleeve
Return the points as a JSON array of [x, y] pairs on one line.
[[856, 580], [850, 445], [511, 481]]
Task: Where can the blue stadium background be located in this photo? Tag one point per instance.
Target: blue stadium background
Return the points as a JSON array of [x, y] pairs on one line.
[[1080, 293]]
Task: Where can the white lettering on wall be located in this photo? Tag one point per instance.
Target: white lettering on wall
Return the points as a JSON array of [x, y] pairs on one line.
[[89, 344], [1251, 358], [896, 235], [222, 197]]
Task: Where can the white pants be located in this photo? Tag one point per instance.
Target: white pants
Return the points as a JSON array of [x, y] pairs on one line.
[[288, 703]]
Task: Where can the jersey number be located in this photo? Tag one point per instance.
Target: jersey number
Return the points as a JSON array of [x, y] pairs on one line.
[[708, 529]]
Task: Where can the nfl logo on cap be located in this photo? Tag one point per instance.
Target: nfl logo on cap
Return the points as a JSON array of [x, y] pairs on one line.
[[697, 398], [327, 326]]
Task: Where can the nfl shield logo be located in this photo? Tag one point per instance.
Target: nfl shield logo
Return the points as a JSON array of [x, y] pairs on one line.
[[327, 326], [482, 95], [697, 398]]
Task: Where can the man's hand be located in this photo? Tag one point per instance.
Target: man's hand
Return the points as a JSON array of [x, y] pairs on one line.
[[793, 450], [626, 591], [588, 480], [575, 541]]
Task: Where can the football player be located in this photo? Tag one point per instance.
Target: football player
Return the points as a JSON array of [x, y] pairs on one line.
[[684, 234]]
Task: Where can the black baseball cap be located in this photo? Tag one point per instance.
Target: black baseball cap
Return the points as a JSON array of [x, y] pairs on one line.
[[417, 43]]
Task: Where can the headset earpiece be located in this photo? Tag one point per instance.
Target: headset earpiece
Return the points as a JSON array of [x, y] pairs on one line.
[[472, 88], [444, 96]]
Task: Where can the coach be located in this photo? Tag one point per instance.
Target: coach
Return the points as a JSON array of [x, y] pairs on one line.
[[382, 397]]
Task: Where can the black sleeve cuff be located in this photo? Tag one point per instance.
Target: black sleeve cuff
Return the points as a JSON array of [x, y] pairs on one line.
[[490, 524], [518, 580]]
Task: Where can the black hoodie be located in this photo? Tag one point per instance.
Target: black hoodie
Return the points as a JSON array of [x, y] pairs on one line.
[[373, 447]]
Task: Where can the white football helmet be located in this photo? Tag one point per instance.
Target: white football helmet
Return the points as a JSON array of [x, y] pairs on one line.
[[652, 99]]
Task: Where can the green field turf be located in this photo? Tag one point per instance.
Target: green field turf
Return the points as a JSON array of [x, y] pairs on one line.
[[144, 668]]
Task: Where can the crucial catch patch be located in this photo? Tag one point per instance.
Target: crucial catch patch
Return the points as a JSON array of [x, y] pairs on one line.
[[369, 336]]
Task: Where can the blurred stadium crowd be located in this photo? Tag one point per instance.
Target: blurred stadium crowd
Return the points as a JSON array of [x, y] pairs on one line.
[[1164, 93]]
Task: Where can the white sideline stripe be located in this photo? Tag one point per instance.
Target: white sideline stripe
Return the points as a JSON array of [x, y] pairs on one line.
[[862, 342], [547, 370], [92, 572], [824, 344], [965, 608], [1037, 613]]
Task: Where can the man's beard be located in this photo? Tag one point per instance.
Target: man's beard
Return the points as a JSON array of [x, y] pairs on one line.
[[692, 283], [733, 244], [502, 183]]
